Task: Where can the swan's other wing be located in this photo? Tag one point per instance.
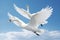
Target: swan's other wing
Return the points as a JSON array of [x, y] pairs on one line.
[[22, 12], [41, 17], [16, 20]]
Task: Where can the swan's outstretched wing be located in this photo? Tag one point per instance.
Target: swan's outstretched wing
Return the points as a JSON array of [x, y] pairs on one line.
[[22, 12], [41, 17], [16, 20]]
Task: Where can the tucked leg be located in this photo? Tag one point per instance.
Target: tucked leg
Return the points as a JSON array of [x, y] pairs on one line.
[[36, 33], [41, 24]]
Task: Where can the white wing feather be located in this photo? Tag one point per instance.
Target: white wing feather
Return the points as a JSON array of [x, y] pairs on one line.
[[22, 12], [41, 17]]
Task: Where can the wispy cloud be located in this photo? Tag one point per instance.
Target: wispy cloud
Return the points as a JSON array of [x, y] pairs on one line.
[[27, 35]]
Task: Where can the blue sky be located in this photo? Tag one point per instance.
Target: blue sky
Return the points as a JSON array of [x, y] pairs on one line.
[[35, 5]]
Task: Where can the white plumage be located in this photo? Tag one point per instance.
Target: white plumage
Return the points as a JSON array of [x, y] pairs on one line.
[[36, 19]]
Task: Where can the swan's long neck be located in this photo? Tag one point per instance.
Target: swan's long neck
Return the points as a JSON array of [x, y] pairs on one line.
[[23, 25], [17, 21]]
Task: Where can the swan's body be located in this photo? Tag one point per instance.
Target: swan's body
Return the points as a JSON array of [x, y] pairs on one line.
[[36, 19]]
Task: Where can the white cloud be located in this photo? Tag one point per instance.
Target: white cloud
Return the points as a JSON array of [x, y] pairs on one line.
[[27, 35]]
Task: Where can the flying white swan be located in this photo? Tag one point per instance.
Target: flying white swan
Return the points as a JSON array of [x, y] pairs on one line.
[[36, 19]]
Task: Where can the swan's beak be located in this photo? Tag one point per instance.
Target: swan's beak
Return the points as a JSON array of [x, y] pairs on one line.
[[9, 20]]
